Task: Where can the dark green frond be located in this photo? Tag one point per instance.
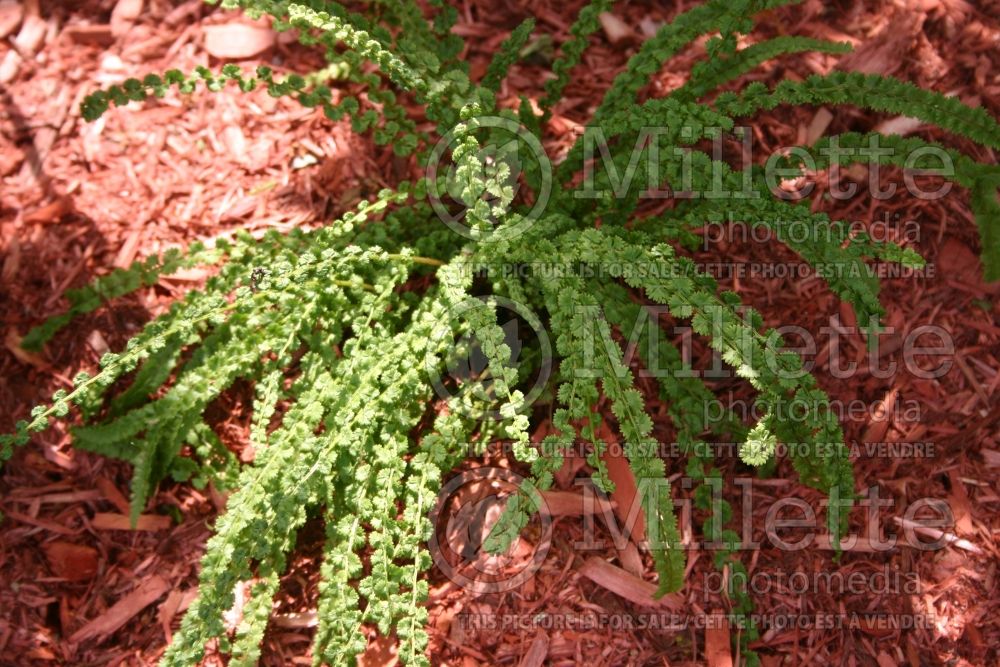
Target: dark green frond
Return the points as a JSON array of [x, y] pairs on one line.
[[869, 91], [709, 75]]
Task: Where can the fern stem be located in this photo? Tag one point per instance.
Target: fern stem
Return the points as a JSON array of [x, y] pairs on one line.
[[416, 259]]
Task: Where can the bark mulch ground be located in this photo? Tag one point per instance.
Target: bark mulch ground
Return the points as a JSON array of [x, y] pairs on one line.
[[78, 199]]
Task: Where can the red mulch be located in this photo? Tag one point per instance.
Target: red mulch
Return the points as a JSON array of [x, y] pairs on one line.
[[78, 199]]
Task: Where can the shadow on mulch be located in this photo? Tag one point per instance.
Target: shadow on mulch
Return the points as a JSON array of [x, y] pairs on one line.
[[45, 251]]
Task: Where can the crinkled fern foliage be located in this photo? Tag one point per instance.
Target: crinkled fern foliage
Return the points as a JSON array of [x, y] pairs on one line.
[[327, 323]]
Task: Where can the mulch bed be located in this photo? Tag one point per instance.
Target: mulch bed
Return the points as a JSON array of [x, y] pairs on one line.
[[78, 199]]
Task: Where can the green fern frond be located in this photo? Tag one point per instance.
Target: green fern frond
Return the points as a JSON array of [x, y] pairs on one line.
[[711, 74], [337, 327], [869, 91], [256, 613], [587, 22], [670, 39], [986, 205], [509, 53], [119, 283]]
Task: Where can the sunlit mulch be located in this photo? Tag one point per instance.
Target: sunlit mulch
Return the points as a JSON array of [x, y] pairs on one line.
[[79, 199]]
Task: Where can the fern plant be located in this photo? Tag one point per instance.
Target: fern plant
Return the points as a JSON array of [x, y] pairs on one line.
[[328, 323]]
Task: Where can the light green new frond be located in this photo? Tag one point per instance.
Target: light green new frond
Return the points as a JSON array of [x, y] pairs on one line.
[[480, 317], [262, 515], [402, 74], [760, 444], [338, 637], [265, 402], [256, 613]]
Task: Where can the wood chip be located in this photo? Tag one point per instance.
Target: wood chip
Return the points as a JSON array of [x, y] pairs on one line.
[[571, 465], [50, 526], [12, 262], [649, 27], [112, 494], [108, 521], [239, 208], [51, 212], [381, 652], [41, 653], [97, 35], [881, 417], [568, 503], [956, 259], [9, 66], [124, 610], [717, 640], [537, 652], [124, 15], [235, 142], [626, 491], [305, 619], [961, 508], [75, 562], [195, 275], [817, 127], [623, 584], [901, 125], [885, 660], [615, 29], [630, 559], [884, 52], [11, 14], [935, 534], [126, 254], [11, 158], [32, 34], [233, 41], [68, 497], [13, 344], [97, 343], [177, 602]]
